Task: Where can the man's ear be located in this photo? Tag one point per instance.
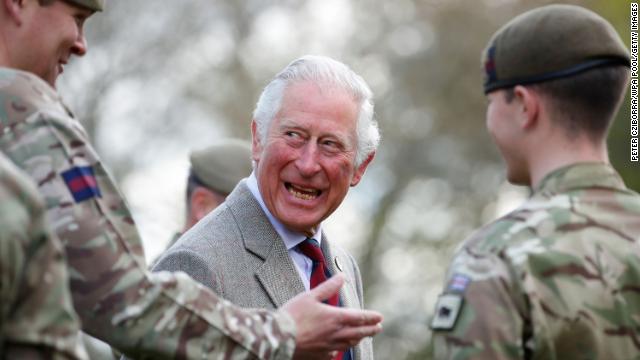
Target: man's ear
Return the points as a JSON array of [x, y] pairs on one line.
[[256, 146], [203, 201], [14, 10], [361, 169], [529, 101]]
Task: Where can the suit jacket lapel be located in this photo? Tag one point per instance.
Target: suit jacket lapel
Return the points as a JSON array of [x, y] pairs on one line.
[[348, 293], [277, 274]]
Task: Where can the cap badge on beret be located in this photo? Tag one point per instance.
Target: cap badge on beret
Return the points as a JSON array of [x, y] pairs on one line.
[[490, 66]]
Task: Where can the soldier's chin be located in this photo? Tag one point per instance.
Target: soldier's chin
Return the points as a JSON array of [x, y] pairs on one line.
[[51, 78]]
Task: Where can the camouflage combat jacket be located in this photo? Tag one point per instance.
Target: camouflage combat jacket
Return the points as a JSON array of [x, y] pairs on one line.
[[36, 312], [145, 315], [558, 278]]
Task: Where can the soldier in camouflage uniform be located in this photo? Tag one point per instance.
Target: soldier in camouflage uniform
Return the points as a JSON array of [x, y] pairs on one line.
[[145, 315], [37, 319], [558, 278]]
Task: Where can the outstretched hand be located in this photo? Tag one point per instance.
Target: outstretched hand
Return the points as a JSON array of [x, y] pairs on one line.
[[323, 329]]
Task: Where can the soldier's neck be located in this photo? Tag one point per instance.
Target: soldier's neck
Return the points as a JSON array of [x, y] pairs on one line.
[[556, 154]]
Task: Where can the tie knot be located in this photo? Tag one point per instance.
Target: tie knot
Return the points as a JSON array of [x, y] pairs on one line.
[[311, 249]]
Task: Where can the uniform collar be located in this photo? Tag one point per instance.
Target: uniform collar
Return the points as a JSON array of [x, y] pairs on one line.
[[578, 176]]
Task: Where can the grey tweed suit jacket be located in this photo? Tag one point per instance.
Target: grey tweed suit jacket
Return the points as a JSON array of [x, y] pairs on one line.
[[236, 252]]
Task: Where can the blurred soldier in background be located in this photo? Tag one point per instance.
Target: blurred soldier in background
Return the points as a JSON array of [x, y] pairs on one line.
[[558, 277], [37, 320], [145, 315], [214, 173]]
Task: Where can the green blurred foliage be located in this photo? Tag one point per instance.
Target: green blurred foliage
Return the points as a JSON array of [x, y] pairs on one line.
[[618, 13]]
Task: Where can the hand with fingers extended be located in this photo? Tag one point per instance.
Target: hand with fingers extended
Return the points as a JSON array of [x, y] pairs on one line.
[[323, 329]]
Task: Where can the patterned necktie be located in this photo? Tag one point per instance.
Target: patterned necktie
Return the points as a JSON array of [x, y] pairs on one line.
[[319, 273]]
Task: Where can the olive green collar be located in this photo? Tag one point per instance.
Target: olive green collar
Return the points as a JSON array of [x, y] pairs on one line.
[[580, 175]]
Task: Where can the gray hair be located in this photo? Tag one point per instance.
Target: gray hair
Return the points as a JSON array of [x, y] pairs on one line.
[[327, 71]]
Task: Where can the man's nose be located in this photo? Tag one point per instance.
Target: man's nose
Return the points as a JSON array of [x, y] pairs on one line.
[[307, 162], [79, 46]]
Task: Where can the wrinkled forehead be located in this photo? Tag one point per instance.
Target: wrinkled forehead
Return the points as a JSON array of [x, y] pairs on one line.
[[319, 98], [328, 87], [308, 92]]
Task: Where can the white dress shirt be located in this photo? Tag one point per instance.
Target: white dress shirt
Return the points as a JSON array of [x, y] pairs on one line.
[[291, 239]]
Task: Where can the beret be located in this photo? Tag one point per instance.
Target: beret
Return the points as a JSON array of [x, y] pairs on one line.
[[95, 5], [550, 42], [222, 165]]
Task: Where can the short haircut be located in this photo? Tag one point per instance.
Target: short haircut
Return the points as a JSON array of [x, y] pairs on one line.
[[322, 70], [194, 182], [586, 102]]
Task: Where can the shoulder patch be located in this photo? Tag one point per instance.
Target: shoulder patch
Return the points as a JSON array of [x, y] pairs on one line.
[[458, 283], [82, 183], [447, 310]]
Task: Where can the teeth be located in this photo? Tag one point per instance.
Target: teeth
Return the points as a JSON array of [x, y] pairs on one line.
[[303, 193], [300, 195], [304, 189]]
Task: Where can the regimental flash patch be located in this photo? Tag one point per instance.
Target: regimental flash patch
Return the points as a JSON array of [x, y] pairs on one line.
[[82, 183], [447, 310]]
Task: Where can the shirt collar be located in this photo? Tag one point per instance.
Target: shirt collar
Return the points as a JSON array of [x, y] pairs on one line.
[[291, 238], [580, 175]]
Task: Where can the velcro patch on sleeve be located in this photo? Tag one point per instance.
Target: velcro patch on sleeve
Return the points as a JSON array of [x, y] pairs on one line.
[[82, 183], [447, 311]]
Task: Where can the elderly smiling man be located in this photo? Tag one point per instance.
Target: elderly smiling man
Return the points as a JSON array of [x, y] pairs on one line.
[[313, 137]]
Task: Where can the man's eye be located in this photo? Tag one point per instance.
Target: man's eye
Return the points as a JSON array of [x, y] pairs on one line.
[[331, 145], [292, 134]]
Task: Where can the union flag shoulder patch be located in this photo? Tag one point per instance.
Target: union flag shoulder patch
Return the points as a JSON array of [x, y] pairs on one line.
[[459, 283]]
